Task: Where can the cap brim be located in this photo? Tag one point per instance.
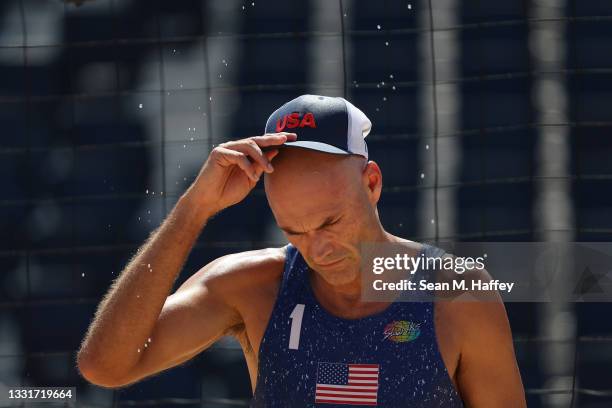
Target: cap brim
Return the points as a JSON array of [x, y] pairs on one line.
[[321, 147]]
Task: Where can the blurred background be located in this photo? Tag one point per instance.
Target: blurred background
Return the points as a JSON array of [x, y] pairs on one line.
[[491, 122]]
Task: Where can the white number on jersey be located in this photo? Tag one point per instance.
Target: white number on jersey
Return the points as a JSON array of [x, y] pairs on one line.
[[296, 326]]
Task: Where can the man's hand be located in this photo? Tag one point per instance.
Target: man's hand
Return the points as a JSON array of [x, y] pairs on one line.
[[233, 169]]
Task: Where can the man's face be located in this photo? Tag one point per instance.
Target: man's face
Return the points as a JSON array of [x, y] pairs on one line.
[[325, 206]]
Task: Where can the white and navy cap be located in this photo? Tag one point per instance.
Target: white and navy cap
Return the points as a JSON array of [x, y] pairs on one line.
[[323, 123]]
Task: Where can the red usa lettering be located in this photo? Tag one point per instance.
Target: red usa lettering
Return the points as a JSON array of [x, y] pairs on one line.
[[294, 120]]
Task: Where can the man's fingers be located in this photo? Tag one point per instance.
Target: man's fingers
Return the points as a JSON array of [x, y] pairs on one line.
[[250, 148], [230, 156], [270, 154], [274, 139]]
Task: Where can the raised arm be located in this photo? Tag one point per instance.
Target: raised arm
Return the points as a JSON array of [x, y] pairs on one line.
[[137, 314]]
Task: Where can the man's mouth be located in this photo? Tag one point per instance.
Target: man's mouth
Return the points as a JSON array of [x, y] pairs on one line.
[[333, 263]]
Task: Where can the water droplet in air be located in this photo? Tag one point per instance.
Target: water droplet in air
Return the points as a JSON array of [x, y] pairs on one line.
[[422, 175], [140, 106], [426, 147], [409, 6], [378, 26], [387, 43], [433, 221], [391, 76], [83, 275], [147, 192]]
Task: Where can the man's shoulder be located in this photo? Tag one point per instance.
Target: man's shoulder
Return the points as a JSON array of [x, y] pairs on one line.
[[241, 271]]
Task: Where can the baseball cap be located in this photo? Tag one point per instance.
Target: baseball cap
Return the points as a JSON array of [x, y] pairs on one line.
[[323, 123]]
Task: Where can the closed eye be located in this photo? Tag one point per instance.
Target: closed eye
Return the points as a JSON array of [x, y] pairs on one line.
[[328, 222]]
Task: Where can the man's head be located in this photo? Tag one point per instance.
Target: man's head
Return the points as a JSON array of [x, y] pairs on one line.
[[325, 202]]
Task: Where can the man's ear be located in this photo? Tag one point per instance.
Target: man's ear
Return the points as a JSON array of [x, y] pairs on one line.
[[372, 181]]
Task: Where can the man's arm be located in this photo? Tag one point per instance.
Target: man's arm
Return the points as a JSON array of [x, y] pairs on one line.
[[488, 375], [137, 307], [127, 316]]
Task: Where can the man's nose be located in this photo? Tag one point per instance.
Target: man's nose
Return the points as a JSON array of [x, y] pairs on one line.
[[320, 249]]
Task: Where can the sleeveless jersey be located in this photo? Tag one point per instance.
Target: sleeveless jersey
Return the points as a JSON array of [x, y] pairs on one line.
[[311, 358]]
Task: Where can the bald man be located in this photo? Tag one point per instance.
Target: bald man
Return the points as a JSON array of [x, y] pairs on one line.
[[307, 336]]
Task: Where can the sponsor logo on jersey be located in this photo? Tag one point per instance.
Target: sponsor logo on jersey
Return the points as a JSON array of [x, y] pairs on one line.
[[401, 331]]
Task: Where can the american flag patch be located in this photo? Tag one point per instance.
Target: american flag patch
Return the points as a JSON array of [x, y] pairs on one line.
[[355, 384]]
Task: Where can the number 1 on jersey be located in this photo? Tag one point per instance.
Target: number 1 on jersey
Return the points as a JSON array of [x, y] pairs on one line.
[[296, 326]]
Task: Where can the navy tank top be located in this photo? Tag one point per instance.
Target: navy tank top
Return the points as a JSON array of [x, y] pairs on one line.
[[310, 358]]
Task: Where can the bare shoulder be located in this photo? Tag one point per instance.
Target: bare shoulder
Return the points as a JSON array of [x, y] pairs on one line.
[[239, 273], [476, 323]]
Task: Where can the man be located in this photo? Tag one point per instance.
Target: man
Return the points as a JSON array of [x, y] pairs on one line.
[[307, 336]]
